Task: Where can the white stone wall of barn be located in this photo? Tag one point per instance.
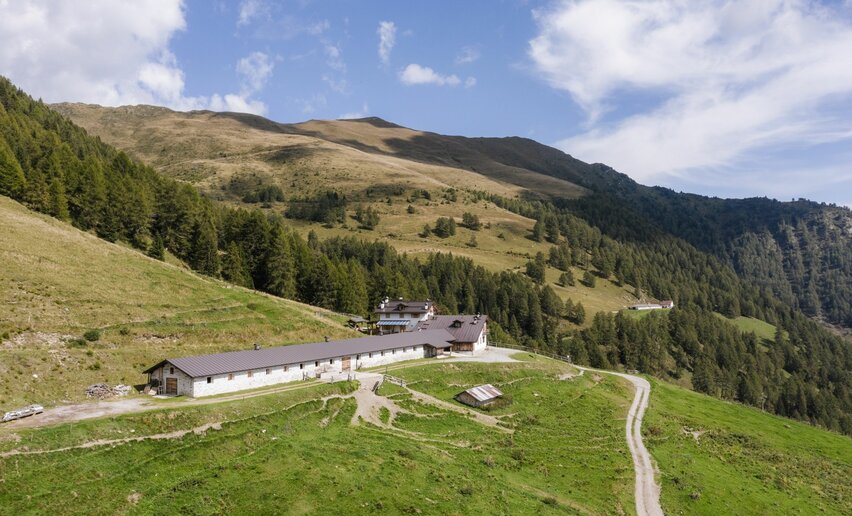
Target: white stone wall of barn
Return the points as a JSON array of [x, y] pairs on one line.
[[220, 384], [389, 357]]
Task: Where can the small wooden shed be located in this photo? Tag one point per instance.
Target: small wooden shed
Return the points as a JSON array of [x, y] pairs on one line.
[[480, 395]]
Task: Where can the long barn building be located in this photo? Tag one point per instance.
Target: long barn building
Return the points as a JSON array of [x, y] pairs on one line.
[[207, 375]]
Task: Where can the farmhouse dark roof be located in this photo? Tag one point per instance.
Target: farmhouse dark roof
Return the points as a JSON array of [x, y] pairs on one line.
[[400, 306], [468, 331], [235, 361]]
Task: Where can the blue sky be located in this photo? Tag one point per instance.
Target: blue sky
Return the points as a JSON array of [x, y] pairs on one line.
[[729, 98]]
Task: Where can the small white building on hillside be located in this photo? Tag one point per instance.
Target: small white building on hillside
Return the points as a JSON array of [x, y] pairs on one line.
[[469, 331], [219, 373]]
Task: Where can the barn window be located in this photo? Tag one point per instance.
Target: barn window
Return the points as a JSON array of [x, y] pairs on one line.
[[393, 352], [209, 379], [230, 376], [383, 353], [316, 364], [285, 368], [371, 355], [357, 357], [301, 366], [330, 360], [171, 370], [250, 374], [267, 370]]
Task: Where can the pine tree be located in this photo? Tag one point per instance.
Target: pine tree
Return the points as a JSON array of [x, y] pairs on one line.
[[58, 200], [280, 266], [538, 231], [157, 249], [566, 279], [234, 268], [204, 255], [12, 181]]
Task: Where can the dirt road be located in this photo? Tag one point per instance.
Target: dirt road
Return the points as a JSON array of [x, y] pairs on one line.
[[647, 490]]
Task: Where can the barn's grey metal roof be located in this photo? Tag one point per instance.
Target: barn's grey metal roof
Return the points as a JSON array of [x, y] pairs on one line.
[[467, 327], [484, 392], [236, 361]]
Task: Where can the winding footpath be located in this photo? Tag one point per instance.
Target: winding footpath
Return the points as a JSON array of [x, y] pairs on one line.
[[647, 491]]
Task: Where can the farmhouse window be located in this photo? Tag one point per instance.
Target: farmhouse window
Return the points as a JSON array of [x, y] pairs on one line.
[[393, 352], [357, 357], [371, 355], [171, 370], [230, 376], [209, 379]]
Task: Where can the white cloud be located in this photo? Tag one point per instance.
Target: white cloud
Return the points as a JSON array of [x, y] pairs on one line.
[[728, 79], [415, 74], [364, 112], [470, 82], [467, 55], [254, 71], [251, 10], [103, 52], [387, 40]]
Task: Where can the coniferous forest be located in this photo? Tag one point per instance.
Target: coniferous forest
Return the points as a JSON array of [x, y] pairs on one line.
[[54, 167]]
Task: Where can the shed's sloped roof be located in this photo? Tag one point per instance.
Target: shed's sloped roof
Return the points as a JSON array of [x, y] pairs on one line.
[[484, 392], [468, 331], [220, 363]]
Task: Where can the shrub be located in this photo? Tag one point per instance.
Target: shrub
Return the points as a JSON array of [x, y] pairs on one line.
[[92, 335], [124, 330], [76, 343]]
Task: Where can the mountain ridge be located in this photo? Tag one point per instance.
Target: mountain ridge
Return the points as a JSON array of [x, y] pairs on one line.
[[810, 260]]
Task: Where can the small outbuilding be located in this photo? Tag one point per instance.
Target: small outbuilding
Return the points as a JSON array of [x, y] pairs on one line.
[[480, 396]]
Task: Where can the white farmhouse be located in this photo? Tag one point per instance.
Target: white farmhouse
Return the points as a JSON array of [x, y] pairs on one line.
[[401, 316], [470, 332], [207, 375]]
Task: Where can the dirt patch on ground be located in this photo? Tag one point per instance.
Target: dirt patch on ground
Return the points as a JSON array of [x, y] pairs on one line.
[[696, 434], [39, 339]]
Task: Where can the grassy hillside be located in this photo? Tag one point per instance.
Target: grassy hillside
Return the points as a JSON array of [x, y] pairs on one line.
[[57, 283], [370, 161], [718, 457], [297, 452]]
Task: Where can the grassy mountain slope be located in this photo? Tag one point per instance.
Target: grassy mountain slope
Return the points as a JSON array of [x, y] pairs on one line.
[[800, 251], [567, 453], [718, 457], [228, 155], [57, 283]]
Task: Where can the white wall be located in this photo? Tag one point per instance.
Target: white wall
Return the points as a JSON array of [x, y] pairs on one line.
[[220, 384], [482, 343], [390, 356]]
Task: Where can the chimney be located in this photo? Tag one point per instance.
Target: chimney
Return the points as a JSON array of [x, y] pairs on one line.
[[256, 346], [326, 338]]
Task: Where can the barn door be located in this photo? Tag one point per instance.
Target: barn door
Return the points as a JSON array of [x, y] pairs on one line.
[[171, 385], [347, 363]]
